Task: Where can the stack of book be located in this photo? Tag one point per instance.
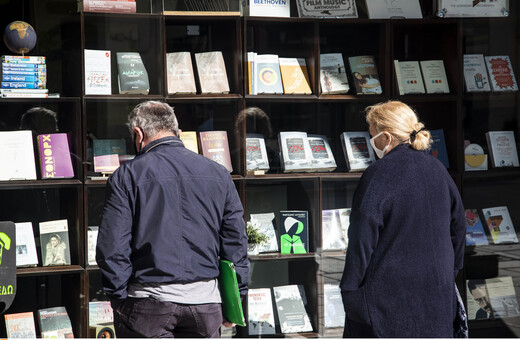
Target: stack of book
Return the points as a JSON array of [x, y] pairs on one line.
[[24, 76]]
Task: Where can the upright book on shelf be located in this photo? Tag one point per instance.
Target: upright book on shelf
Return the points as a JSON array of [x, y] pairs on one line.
[[434, 75], [478, 305], [334, 233], [260, 312], [438, 147], [17, 155], [502, 297], [26, 254], [256, 152], [333, 75], [501, 73], [92, 234], [334, 312], [500, 225], [107, 6], [322, 157], [475, 73], [211, 71], [357, 150], [295, 78], [264, 222], [365, 76], [132, 75], [55, 323], [295, 150], [267, 77], [215, 146], [55, 160], [189, 139], [292, 316], [409, 77], [475, 234], [409, 9], [55, 245], [294, 232], [98, 76], [179, 73], [502, 148], [20, 325]]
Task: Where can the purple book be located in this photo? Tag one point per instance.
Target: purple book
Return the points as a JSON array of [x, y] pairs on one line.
[[55, 161]]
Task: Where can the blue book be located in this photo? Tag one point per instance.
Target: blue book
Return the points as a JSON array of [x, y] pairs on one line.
[[25, 72], [475, 234], [24, 78], [23, 66], [438, 148], [22, 85]]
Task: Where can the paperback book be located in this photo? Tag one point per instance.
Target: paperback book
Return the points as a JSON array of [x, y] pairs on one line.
[[294, 232], [132, 75], [55, 160], [98, 77], [475, 73], [179, 73], [333, 306], [475, 234], [322, 157], [438, 147], [17, 154], [292, 316], [296, 151], [189, 139], [364, 75], [357, 150], [92, 234], [500, 225], [295, 78], [55, 245], [409, 77], [502, 297], [215, 146], [434, 74], [260, 312], [26, 254], [333, 75], [20, 325], [265, 223], [502, 148], [335, 223], [267, 78], [211, 71], [501, 73], [256, 152], [55, 323]]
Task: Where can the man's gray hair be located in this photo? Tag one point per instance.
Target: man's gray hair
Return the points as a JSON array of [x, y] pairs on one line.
[[153, 117]]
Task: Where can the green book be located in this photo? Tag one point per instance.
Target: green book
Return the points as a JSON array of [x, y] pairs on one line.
[[231, 302]]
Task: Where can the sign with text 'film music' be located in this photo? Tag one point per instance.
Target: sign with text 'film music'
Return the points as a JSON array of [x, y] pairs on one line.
[[327, 8], [472, 8]]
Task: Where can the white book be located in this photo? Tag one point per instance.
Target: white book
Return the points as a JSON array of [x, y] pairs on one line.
[[98, 77], [475, 73], [267, 76], [333, 305], [344, 218], [180, 76], [409, 9], [331, 231], [411, 77], [92, 234], [357, 150], [256, 152], [500, 225], [54, 240], [501, 73], [260, 312], [211, 71], [502, 148], [20, 325], [502, 297], [265, 225], [398, 77], [333, 74], [292, 316], [434, 75], [296, 151], [17, 155], [322, 157], [26, 255]]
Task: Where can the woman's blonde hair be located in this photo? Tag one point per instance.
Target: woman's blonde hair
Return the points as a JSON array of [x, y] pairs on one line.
[[401, 122]]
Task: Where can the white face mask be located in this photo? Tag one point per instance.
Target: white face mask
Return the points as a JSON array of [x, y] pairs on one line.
[[380, 153]]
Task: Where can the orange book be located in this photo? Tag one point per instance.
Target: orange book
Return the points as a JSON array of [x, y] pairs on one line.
[[295, 78]]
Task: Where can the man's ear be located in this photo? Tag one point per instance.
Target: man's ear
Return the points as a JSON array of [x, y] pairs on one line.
[[139, 136]]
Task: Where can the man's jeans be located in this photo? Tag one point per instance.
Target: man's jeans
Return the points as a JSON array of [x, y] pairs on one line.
[[151, 318]]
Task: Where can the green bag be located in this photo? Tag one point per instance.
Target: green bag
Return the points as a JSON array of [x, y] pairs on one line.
[[231, 302]]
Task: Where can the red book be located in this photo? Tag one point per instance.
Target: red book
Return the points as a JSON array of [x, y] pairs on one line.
[[214, 145], [55, 160], [107, 6]]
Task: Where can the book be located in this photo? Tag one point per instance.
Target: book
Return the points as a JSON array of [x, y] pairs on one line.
[[500, 225], [260, 312], [106, 163], [54, 241], [365, 77], [231, 301], [179, 73], [292, 316], [295, 151], [322, 157], [100, 312], [107, 6], [478, 305], [502, 148], [475, 73], [267, 76], [55, 323], [250, 72], [26, 254], [409, 9], [132, 76], [334, 313], [474, 158], [23, 59], [295, 78], [357, 150], [438, 147], [17, 155], [501, 73], [92, 234], [24, 95], [333, 75], [28, 78], [211, 72], [266, 8], [55, 160], [294, 232], [102, 147], [22, 85], [409, 77], [334, 232], [98, 77], [475, 234], [256, 152], [189, 139], [264, 222], [434, 75], [502, 297], [20, 325], [215, 146]]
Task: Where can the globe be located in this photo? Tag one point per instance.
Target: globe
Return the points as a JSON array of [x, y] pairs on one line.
[[19, 37]]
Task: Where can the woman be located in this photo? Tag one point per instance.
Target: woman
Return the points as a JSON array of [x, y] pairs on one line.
[[55, 251], [406, 235]]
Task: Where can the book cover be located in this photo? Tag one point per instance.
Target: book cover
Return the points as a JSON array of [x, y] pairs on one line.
[[132, 76], [295, 150], [215, 146], [106, 163], [55, 160], [101, 147], [189, 139], [179, 73], [295, 78], [411, 77], [23, 59], [54, 241], [357, 150], [211, 71], [334, 229], [501, 73], [438, 147], [409, 9], [333, 306], [23, 85], [344, 218], [100, 312], [502, 297], [294, 232], [267, 77], [475, 234], [475, 73], [107, 6], [26, 254], [251, 73], [364, 75], [474, 158], [55, 323], [17, 155], [260, 312], [502, 148], [33, 78], [333, 75], [322, 157], [500, 225], [20, 325], [92, 234], [256, 152], [434, 74], [292, 316], [478, 305], [98, 77], [265, 222]]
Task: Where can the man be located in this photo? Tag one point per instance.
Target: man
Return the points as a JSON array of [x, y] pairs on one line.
[[169, 214], [477, 288]]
